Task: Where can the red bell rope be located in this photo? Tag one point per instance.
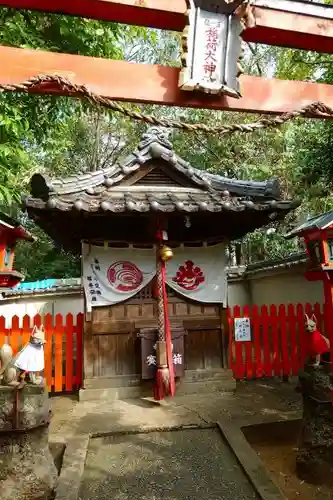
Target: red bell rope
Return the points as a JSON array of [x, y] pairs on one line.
[[168, 339], [161, 376]]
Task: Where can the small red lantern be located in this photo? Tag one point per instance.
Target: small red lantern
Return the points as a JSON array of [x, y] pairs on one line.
[[10, 233], [318, 237]]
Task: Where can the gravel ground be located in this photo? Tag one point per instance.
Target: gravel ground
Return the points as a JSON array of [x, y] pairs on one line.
[[179, 465]]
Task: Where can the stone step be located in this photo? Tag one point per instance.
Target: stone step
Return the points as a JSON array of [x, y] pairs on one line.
[[134, 380], [184, 387]]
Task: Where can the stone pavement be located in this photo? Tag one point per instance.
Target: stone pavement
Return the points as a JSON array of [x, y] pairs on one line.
[[253, 402], [189, 465], [125, 462]]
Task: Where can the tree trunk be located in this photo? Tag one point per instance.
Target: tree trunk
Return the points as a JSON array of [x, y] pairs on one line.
[[314, 462]]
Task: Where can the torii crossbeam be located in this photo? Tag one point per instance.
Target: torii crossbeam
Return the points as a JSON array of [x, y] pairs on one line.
[[289, 23]]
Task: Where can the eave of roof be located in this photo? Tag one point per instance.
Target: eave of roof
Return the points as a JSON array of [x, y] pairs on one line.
[[318, 222], [13, 226], [126, 199]]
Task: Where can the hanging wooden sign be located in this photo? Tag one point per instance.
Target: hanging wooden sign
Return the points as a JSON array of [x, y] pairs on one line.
[[211, 48]]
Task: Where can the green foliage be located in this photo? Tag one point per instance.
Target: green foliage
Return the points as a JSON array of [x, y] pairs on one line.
[[62, 136], [56, 135], [35, 129], [42, 259]]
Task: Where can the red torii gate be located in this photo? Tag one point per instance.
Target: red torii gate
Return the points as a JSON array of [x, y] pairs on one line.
[[295, 24]]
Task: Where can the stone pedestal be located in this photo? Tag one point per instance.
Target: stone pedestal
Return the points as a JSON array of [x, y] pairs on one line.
[[27, 470], [315, 456]]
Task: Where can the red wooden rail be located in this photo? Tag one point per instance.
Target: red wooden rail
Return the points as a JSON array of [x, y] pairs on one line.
[[276, 347], [277, 340], [63, 348]]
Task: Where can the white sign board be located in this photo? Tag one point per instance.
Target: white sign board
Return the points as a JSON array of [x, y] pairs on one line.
[[242, 329]]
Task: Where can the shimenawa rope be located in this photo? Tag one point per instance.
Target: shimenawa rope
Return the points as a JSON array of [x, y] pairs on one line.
[[316, 109]]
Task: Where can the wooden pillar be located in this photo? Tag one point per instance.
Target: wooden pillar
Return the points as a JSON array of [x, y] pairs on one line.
[[87, 341], [88, 350], [224, 336]]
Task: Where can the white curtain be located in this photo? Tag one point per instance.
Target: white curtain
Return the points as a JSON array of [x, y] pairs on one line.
[[199, 273], [113, 275]]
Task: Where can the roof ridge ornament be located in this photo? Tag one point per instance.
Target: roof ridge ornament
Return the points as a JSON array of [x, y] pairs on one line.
[[212, 47], [159, 135]]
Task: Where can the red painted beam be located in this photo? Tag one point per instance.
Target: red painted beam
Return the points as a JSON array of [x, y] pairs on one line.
[[163, 14], [286, 29], [124, 81], [294, 27]]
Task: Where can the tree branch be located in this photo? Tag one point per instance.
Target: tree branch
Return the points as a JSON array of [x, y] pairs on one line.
[[256, 62]]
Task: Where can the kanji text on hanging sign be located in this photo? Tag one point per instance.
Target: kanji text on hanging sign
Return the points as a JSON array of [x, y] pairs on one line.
[[211, 46]]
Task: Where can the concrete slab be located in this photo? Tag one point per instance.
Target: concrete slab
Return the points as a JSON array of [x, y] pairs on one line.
[[174, 465]]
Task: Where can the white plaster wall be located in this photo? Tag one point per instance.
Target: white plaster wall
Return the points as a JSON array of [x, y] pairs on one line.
[[238, 293], [72, 304], [51, 304], [286, 288]]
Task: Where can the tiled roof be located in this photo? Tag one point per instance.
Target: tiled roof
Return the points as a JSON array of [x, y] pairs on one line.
[[100, 191], [45, 286], [321, 221], [290, 261], [159, 198]]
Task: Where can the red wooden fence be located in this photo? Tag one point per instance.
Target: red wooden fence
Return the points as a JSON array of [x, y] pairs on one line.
[[277, 340], [63, 348], [276, 347]]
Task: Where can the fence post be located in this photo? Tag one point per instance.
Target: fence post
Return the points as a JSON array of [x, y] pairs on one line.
[[239, 361], [15, 334], [275, 341], [249, 365], [26, 330], [2, 330], [58, 337], [48, 350], [69, 332], [256, 320], [284, 342], [266, 341], [79, 350], [294, 346], [301, 339]]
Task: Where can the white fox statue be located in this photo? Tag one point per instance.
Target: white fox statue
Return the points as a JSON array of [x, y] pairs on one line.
[[29, 360]]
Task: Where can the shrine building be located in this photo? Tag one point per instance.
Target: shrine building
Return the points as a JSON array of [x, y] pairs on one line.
[[115, 219]]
